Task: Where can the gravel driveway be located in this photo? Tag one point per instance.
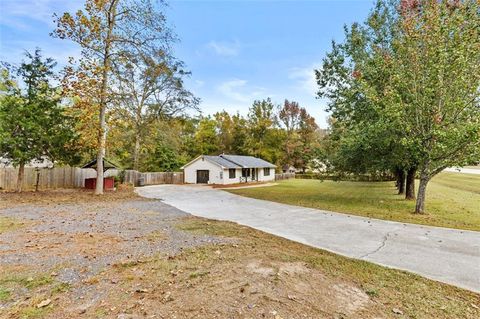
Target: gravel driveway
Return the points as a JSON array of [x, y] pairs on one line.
[[73, 242], [447, 255]]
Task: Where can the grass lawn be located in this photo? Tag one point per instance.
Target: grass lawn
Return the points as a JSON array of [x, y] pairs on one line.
[[453, 199]]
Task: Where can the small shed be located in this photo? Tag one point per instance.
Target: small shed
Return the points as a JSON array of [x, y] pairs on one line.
[[108, 182]]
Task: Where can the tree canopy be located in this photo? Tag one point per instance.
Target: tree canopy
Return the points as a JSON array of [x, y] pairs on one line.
[[33, 122], [404, 90]]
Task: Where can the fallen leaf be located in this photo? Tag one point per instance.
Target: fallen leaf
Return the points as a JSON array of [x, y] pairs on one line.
[[397, 311], [44, 303]]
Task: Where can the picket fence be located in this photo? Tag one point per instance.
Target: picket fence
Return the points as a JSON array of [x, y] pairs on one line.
[[74, 177]]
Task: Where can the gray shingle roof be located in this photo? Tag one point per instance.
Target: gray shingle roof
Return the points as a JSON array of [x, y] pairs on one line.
[[247, 161], [221, 161], [237, 161]]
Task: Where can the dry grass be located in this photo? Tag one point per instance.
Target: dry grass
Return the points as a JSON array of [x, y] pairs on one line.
[[259, 275], [10, 224], [63, 196]]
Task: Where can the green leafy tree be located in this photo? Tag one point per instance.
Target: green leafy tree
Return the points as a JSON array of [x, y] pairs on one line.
[[206, 138], [404, 90], [225, 126], [367, 136], [436, 84], [33, 122], [239, 134], [301, 135], [264, 137], [151, 89]]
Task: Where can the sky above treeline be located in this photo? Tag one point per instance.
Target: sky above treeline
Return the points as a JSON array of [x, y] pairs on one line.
[[237, 51]]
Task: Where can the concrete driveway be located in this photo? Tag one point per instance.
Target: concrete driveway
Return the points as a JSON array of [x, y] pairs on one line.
[[447, 255], [463, 170]]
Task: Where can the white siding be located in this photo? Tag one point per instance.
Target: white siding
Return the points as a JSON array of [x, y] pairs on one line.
[[263, 178], [219, 175], [228, 180], [190, 171]]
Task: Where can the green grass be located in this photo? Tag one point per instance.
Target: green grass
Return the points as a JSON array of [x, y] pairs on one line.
[[453, 200], [4, 294]]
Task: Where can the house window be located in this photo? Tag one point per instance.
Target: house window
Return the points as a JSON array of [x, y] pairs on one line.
[[221, 175], [231, 173], [266, 171]]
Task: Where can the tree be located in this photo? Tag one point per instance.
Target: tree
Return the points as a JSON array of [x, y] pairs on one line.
[[33, 123], [225, 127], [264, 136], [110, 32], [353, 77], [301, 138], [404, 90], [356, 75], [150, 88], [436, 84], [206, 139], [289, 115], [239, 134]]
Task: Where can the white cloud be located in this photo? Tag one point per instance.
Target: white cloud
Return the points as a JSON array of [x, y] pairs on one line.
[[238, 90], [305, 78], [227, 49]]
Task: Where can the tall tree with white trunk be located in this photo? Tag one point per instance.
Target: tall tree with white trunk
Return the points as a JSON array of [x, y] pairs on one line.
[[110, 33]]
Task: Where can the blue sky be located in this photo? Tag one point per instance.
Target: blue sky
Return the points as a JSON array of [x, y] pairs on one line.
[[238, 51]]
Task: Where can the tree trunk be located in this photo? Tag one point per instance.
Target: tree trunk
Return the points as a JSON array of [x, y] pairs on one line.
[[102, 134], [410, 185], [401, 181], [420, 204], [38, 179], [21, 174], [136, 152]]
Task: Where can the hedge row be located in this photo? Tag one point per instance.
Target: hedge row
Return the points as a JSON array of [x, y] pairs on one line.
[[350, 177]]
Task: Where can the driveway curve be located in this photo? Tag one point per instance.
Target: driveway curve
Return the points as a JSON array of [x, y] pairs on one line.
[[447, 255]]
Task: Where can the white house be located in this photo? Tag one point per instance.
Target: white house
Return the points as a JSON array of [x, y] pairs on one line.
[[228, 169]]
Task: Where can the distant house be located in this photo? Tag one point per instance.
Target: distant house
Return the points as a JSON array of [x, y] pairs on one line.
[[228, 169], [289, 169], [42, 162]]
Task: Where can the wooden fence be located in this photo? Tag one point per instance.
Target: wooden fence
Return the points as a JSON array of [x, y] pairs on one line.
[[279, 177], [153, 178], [74, 177]]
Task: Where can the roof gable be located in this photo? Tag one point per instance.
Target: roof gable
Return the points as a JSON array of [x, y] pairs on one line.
[[217, 160]]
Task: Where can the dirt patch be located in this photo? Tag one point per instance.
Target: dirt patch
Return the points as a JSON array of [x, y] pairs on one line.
[[350, 297], [61, 196], [126, 257], [88, 245], [69, 239]]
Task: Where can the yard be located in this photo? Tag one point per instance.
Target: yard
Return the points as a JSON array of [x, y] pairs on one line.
[[68, 254], [453, 199]]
